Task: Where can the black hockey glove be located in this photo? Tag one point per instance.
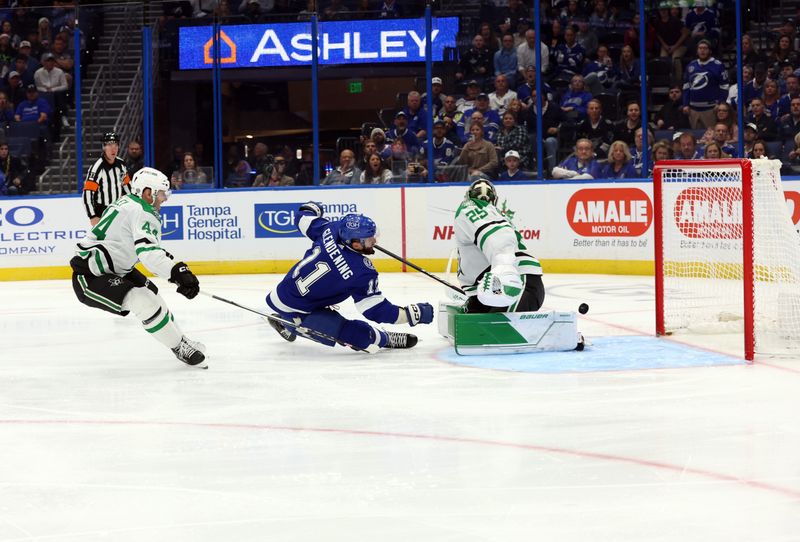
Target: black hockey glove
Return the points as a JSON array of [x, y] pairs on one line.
[[313, 207], [188, 285], [419, 313]]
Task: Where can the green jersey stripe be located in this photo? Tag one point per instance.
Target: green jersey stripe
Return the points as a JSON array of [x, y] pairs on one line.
[[96, 297], [146, 249], [529, 262], [99, 262], [490, 232]]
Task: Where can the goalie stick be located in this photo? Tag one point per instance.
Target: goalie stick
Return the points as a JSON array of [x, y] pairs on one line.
[[310, 333], [418, 268]]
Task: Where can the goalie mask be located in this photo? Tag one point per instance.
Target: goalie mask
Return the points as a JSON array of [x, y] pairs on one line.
[[355, 227], [153, 179], [483, 189]]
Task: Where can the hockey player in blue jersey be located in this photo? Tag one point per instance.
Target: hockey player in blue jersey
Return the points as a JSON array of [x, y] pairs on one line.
[[335, 268]]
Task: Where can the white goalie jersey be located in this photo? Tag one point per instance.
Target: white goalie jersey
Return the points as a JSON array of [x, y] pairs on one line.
[[482, 233], [127, 233]]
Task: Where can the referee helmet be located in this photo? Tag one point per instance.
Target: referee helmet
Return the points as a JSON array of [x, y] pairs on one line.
[[110, 137]]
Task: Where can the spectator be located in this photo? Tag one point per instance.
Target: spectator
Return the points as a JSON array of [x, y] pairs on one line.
[[478, 154], [526, 53], [662, 151], [37, 49], [596, 128], [702, 25], [722, 138], [376, 171], [346, 173], [713, 152], [254, 10], [749, 137], [33, 108], [200, 154], [724, 114], [391, 9], [794, 154], [490, 39], [444, 150], [476, 63], [134, 160], [502, 96], [14, 88], [468, 101], [600, 75], [378, 137], [555, 39], [63, 59], [490, 119], [7, 28], [672, 115], [6, 110], [760, 149], [13, 173], [676, 144], [523, 25], [766, 127], [505, 60], [275, 174], [771, 99], [413, 111], [52, 80], [367, 148], [261, 158], [671, 35], [513, 137], [512, 171], [751, 55], [509, 16], [625, 130], [6, 51], [527, 89], [45, 33], [569, 56], [586, 37], [636, 151], [628, 73], [790, 124], [792, 92], [572, 12], [783, 52], [551, 120], [188, 173], [755, 87], [706, 84], [688, 147], [398, 161], [451, 116], [599, 18], [574, 101], [580, 165], [26, 51], [620, 162], [22, 67], [436, 96], [401, 131]]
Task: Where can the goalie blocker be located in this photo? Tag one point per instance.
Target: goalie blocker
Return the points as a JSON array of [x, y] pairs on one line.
[[509, 333]]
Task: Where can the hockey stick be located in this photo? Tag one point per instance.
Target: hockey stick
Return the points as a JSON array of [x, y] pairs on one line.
[[418, 268], [301, 330]]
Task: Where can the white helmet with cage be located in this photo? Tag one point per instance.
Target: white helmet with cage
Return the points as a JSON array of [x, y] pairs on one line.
[[151, 178]]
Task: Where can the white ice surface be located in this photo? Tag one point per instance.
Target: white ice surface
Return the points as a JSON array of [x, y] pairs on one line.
[[105, 436]]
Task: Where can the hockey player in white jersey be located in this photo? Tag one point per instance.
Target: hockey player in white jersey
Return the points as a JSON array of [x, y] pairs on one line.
[[494, 268], [103, 270]]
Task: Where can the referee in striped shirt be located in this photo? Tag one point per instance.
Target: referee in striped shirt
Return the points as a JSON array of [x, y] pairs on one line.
[[106, 181]]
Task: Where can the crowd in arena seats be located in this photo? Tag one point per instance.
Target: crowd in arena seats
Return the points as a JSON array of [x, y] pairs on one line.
[[485, 117], [36, 78]]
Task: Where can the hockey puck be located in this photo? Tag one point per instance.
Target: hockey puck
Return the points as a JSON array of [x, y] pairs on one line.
[[583, 308]]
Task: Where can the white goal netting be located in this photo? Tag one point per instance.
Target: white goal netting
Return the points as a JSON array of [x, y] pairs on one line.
[[704, 271]]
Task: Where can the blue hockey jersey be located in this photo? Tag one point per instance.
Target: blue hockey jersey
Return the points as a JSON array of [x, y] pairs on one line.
[[328, 274], [705, 84]]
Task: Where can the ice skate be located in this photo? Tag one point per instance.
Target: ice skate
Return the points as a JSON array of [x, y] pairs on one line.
[[400, 340], [281, 329], [190, 352]]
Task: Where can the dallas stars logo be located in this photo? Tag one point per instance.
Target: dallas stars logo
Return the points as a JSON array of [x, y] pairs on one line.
[[116, 281], [505, 211]]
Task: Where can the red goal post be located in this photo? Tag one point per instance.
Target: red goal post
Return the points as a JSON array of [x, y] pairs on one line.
[[727, 255]]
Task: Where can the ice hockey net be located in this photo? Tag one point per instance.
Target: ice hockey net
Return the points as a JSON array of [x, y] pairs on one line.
[[727, 253]]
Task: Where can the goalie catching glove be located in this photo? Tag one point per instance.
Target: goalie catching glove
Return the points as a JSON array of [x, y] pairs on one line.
[[419, 313], [502, 285], [188, 285]]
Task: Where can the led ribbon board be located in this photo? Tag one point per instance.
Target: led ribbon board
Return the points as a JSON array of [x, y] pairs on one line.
[[340, 42]]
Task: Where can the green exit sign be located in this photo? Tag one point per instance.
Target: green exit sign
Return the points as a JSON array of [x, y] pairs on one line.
[[355, 87]]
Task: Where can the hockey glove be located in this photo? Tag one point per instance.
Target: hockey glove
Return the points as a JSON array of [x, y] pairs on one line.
[[312, 207], [419, 313], [188, 285]]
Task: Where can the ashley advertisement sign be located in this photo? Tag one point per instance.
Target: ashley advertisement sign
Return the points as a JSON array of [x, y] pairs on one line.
[[340, 42]]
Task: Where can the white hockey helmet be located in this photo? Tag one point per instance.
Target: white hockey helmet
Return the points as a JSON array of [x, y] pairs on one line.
[[151, 178]]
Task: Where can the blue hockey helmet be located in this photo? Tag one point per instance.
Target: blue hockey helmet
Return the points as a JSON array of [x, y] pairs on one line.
[[356, 227]]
